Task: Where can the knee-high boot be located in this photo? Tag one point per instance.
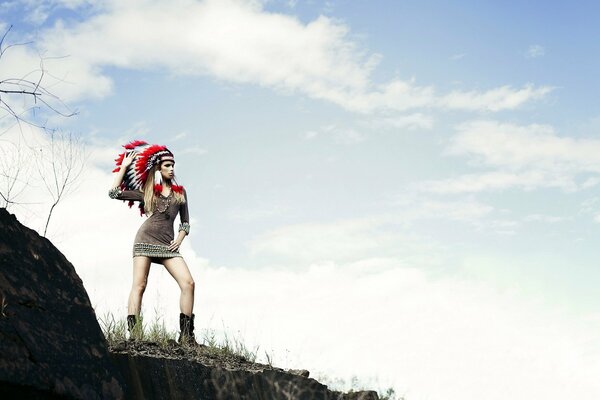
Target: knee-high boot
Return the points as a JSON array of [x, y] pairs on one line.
[[134, 326], [186, 326]]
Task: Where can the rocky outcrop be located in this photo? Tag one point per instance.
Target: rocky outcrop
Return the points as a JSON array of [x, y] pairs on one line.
[[158, 373], [159, 378], [51, 345]]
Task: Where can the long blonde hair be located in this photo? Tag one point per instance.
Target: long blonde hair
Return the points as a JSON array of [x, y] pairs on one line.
[[150, 197]]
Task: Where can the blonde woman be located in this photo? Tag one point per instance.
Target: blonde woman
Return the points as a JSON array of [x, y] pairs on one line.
[[145, 174]]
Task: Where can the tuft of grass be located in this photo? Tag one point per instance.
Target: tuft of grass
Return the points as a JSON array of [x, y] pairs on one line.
[[158, 333], [115, 330], [269, 358], [229, 345]]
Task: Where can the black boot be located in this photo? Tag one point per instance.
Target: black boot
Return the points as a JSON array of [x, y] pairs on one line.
[[134, 326], [186, 325]]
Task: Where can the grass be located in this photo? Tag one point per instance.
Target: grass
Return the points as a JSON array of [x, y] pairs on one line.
[[115, 331], [229, 345]]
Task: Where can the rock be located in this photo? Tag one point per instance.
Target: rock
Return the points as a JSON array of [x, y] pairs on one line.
[[301, 372], [51, 345], [362, 395], [160, 378]]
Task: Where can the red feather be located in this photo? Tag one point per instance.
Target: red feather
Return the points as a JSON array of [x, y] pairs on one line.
[[177, 188], [134, 144]]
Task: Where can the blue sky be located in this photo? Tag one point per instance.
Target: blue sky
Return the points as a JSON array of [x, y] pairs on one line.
[[453, 148]]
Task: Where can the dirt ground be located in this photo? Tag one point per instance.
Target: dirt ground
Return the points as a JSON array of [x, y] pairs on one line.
[[205, 355]]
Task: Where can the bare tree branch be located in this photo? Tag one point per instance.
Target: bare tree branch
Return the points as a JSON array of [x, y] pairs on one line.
[[60, 162], [14, 164], [61, 167], [33, 89]]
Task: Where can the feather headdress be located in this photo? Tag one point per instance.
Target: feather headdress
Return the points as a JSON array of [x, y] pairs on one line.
[[148, 155]]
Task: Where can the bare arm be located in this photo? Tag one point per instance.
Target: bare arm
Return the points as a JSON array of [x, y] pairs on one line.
[[115, 192], [119, 176]]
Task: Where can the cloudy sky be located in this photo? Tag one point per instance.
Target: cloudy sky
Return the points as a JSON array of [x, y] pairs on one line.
[[402, 191]]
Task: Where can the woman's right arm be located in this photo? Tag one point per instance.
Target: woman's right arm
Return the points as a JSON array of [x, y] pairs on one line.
[[127, 160], [115, 192]]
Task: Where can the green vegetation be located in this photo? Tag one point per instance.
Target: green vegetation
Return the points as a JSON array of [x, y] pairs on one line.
[[229, 345], [115, 331]]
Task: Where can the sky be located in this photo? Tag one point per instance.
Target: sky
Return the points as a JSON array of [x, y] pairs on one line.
[[403, 192]]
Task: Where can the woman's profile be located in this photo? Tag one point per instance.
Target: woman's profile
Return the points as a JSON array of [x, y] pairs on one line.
[[145, 174]]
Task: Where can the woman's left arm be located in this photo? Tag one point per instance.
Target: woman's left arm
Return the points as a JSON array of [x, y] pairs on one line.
[[184, 226]]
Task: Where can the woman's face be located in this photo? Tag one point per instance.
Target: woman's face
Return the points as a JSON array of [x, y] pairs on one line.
[[167, 169]]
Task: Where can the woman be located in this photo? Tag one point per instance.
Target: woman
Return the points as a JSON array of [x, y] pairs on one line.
[[145, 174]]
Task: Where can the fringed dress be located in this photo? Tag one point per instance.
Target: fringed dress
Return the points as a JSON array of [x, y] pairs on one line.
[[156, 233]]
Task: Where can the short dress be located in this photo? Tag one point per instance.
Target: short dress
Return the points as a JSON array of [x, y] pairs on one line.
[[156, 233]]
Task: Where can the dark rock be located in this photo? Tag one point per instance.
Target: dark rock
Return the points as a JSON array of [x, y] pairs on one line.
[[160, 378], [51, 345], [301, 372], [362, 395]]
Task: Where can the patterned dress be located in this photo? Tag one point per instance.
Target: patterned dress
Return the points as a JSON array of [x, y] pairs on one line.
[[155, 235]]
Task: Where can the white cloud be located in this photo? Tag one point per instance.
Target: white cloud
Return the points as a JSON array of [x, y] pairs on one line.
[[430, 338], [496, 181], [413, 121], [324, 241], [465, 210], [238, 41], [180, 135], [535, 50], [340, 134], [502, 98], [416, 208], [383, 235], [345, 133], [550, 219], [590, 182], [526, 156], [310, 135], [524, 146]]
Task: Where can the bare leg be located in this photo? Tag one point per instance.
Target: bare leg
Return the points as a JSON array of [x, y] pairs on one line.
[[178, 269], [141, 269]]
